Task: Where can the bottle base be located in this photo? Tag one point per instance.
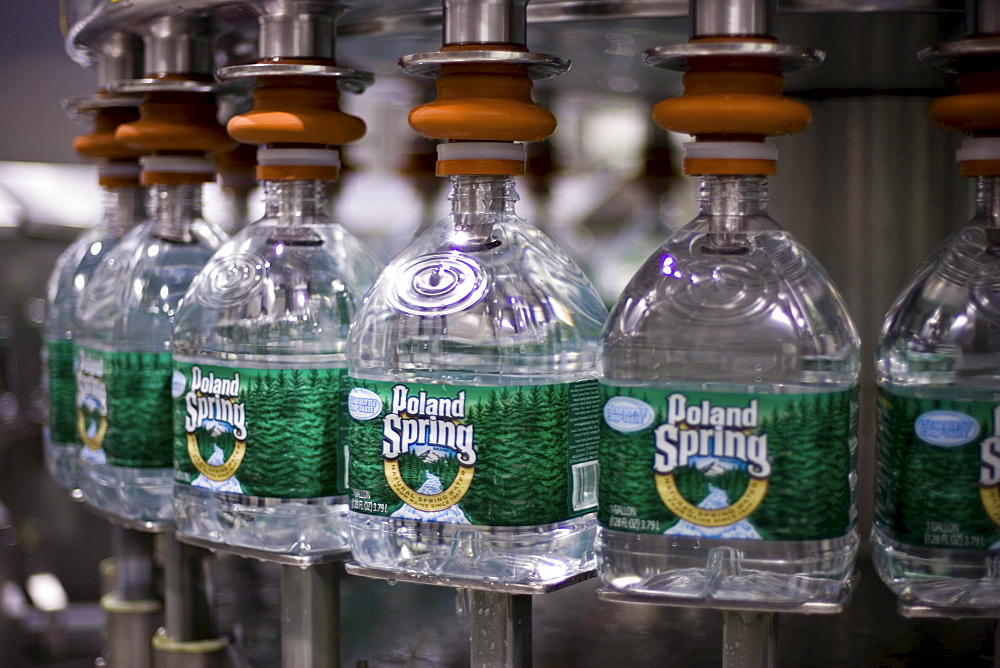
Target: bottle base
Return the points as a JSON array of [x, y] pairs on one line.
[[533, 555], [951, 580], [776, 573], [61, 462], [298, 527], [130, 494]]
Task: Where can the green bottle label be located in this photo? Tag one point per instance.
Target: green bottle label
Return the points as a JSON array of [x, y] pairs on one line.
[[937, 480], [727, 465], [123, 408], [275, 433], [490, 456], [60, 360]]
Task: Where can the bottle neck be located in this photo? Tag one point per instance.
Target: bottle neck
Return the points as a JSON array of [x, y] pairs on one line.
[[477, 203], [988, 200], [733, 196], [237, 203], [124, 207], [294, 202], [174, 208]]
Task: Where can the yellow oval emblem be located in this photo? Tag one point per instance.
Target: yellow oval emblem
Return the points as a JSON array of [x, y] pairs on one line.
[[428, 502], [666, 487], [223, 471], [97, 440], [990, 497]]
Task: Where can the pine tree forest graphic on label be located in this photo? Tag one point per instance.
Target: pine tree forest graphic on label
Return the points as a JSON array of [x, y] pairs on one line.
[[727, 465], [60, 360], [937, 472], [493, 456], [274, 433], [123, 408]]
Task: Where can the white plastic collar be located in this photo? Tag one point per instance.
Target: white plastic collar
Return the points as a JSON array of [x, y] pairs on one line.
[[119, 170], [180, 164], [730, 150], [481, 150], [979, 148], [318, 157]]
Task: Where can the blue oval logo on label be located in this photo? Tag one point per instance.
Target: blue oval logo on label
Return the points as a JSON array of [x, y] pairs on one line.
[[627, 415], [946, 428], [364, 404], [178, 384]]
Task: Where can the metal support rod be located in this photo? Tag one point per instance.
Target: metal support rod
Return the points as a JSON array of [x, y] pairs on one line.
[[133, 552], [749, 639], [485, 22], [132, 610], [501, 629], [188, 596], [310, 616], [734, 18]]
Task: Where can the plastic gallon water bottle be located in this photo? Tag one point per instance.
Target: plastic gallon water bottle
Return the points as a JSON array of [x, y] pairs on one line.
[[728, 452], [260, 362], [937, 505], [475, 404], [124, 365]]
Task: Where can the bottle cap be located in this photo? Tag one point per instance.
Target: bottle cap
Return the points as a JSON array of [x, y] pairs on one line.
[[172, 169], [118, 173], [235, 167], [730, 157], [480, 157], [979, 156], [314, 164]]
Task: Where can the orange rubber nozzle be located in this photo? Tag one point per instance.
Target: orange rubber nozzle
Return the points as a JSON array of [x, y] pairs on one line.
[[296, 110], [732, 102], [483, 106], [976, 109], [477, 102], [100, 144], [175, 123]]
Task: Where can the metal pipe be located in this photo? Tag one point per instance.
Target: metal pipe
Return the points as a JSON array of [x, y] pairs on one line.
[[188, 596], [749, 639], [310, 616], [485, 22], [119, 58], [180, 44], [982, 17], [501, 629], [134, 563], [298, 29], [734, 18]]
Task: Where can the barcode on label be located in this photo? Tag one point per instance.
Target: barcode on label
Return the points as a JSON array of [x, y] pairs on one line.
[[584, 485]]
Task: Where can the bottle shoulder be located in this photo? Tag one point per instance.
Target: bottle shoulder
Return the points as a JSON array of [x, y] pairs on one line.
[[137, 287], [71, 273], [511, 303], [769, 287], [944, 327], [518, 269], [953, 294], [277, 290], [754, 311]]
